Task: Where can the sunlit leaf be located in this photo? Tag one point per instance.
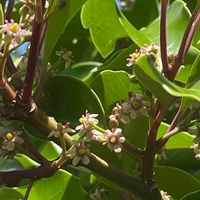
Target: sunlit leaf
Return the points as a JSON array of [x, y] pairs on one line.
[[101, 17]]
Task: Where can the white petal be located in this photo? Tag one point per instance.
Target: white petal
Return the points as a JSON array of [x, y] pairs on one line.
[[76, 160], [85, 160], [117, 149], [122, 139]]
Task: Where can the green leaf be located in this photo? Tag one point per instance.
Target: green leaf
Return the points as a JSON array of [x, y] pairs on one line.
[[175, 181], [177, 18], [9, 165], [163, 89], [149, 12], [50, 150], [194, 76], [136, 36], [192, 196], [134, 136], [182, 158], [10, 194], [111, 87], [57, 23], [25, 161], [62, 185], [101, 17], [67, 99], [184, 71], [180, 140]]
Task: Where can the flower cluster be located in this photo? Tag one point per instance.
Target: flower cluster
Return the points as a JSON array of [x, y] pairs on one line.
[[13, 33], [135, 105], [148, 50], [10, 139], [61, 129], [79, 153]]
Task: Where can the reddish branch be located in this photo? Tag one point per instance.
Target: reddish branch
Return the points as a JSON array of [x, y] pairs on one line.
[[186, 41], [33, 53], [45, 170], [163, 38]]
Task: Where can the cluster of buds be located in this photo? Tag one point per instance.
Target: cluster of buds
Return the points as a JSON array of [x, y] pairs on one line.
[[152, 50], [13, 34], [135, 105]]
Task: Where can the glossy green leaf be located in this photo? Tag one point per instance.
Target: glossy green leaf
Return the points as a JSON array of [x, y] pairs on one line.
[[10, 194], [163, 89], [182, 158], [62, 185], [111, 87], [194, 76], [57, 23], [101, 17], [175, 181], [9, 165], [180, 140], [67, 99], [177, 18], [149, 12], [25, 161], [50, 150], [192, 196], [136, 131], [183, 72], [136, 36]]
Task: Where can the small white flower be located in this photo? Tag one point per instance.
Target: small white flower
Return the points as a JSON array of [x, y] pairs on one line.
[[10, 139], [164, 195], [61, 129], [135, 105], [79, 153], [86, 127], [196, 148], [114, 140], [118, 112]]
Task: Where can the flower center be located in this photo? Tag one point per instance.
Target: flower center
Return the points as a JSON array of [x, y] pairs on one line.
[[14, 28], [113, 139], [9, 136], [82, 120], [136, 104], [134, 56], [81, 151]]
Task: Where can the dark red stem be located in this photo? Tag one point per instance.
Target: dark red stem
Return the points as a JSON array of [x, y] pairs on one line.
[[163, 38], [33, 54], [186, 41]]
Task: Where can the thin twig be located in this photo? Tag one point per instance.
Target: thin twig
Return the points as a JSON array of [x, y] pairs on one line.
[[28, 189]]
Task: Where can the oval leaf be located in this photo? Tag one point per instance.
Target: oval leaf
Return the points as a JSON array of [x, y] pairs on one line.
[[67, 98], [175, 181], [101, 17]]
